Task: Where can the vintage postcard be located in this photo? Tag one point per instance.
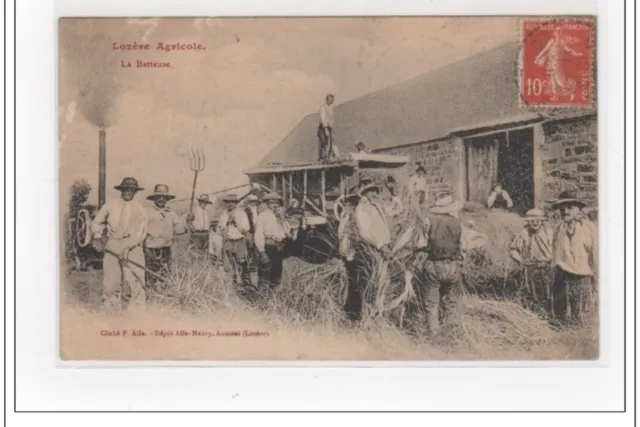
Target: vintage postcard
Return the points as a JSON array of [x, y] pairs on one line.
[[328, 189]]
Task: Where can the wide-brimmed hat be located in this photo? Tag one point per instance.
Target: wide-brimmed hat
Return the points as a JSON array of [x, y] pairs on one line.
[[128, 183], [251, 198], [205, 199], [444, 203], [230, 198], [365, 180], [161, 190], [567, 198], [272, 196], [535, 215], [367, 188]]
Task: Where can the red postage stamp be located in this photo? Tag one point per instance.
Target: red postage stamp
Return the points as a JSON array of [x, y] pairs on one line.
[[556, 63]]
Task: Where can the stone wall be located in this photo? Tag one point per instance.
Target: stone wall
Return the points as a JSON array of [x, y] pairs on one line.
[[441, 159], [569, 158]]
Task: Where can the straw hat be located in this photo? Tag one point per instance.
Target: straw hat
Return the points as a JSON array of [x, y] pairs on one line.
[[205, 199], [161, 190], [368, 188], [567, 198], [445, 203], [128, 183], [535, 215], [271, 196], [230, 198], [252, 198]]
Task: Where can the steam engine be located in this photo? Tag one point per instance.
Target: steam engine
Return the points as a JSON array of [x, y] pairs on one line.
[[79, 248]]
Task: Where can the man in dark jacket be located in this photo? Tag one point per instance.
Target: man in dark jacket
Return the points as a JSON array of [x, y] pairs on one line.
[[438, 265]]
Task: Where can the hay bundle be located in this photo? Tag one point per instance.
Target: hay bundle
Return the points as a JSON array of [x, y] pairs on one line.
[[488, 326]]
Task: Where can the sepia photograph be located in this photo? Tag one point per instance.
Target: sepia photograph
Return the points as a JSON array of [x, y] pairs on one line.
[[328, 189]]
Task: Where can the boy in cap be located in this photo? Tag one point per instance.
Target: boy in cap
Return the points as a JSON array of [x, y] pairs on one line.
[[575, 247], [437, 266], [532, 249], [163, 225], [120, 227], [233, 225], [418, 189], [200, 222]]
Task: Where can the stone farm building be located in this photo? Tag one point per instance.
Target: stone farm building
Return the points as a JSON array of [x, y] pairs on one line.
[[464, 123]]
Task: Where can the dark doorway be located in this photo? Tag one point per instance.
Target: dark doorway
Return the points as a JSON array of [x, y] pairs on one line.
[[515, 168], [505, 158]]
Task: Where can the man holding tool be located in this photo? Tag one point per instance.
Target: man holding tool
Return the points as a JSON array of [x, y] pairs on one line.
[[119, 229]]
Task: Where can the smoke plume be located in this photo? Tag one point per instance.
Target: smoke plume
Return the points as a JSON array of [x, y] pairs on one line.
[[92, 66]]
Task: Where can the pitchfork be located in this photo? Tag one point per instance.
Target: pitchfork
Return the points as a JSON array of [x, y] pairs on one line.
[[197, 163]]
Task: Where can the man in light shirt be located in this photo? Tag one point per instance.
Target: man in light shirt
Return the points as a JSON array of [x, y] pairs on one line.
[[418, 189], [532, 250], [362, 236], [120, 228], [163, 225], [233, 225], [325, 129], [270, 238], [200, 223], [575, 258]]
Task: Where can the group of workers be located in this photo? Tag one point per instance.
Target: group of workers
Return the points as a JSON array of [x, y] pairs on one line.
[[559, 263], [137, 241]]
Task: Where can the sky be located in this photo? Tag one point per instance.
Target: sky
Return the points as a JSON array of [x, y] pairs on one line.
[[255, 79]]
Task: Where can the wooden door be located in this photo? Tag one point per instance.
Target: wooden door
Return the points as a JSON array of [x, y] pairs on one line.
[[482, 167]]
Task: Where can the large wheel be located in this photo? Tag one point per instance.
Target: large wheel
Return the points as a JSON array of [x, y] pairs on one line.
[[339, 209], [83, 228], [319, 245]]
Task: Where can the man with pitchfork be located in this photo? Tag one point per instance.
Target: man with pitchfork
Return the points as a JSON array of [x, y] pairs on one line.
[[119, 229], [200, 222], [164, 224]]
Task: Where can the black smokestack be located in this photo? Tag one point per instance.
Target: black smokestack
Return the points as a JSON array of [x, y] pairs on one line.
[[102, 161]]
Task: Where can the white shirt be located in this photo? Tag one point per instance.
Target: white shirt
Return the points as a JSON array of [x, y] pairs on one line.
[[418, 183], [372, 224], [162, 225], [122, 220], [492, 199], [233, 231], [575, 247], [201, 219], [269, 227], [326, 115]]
